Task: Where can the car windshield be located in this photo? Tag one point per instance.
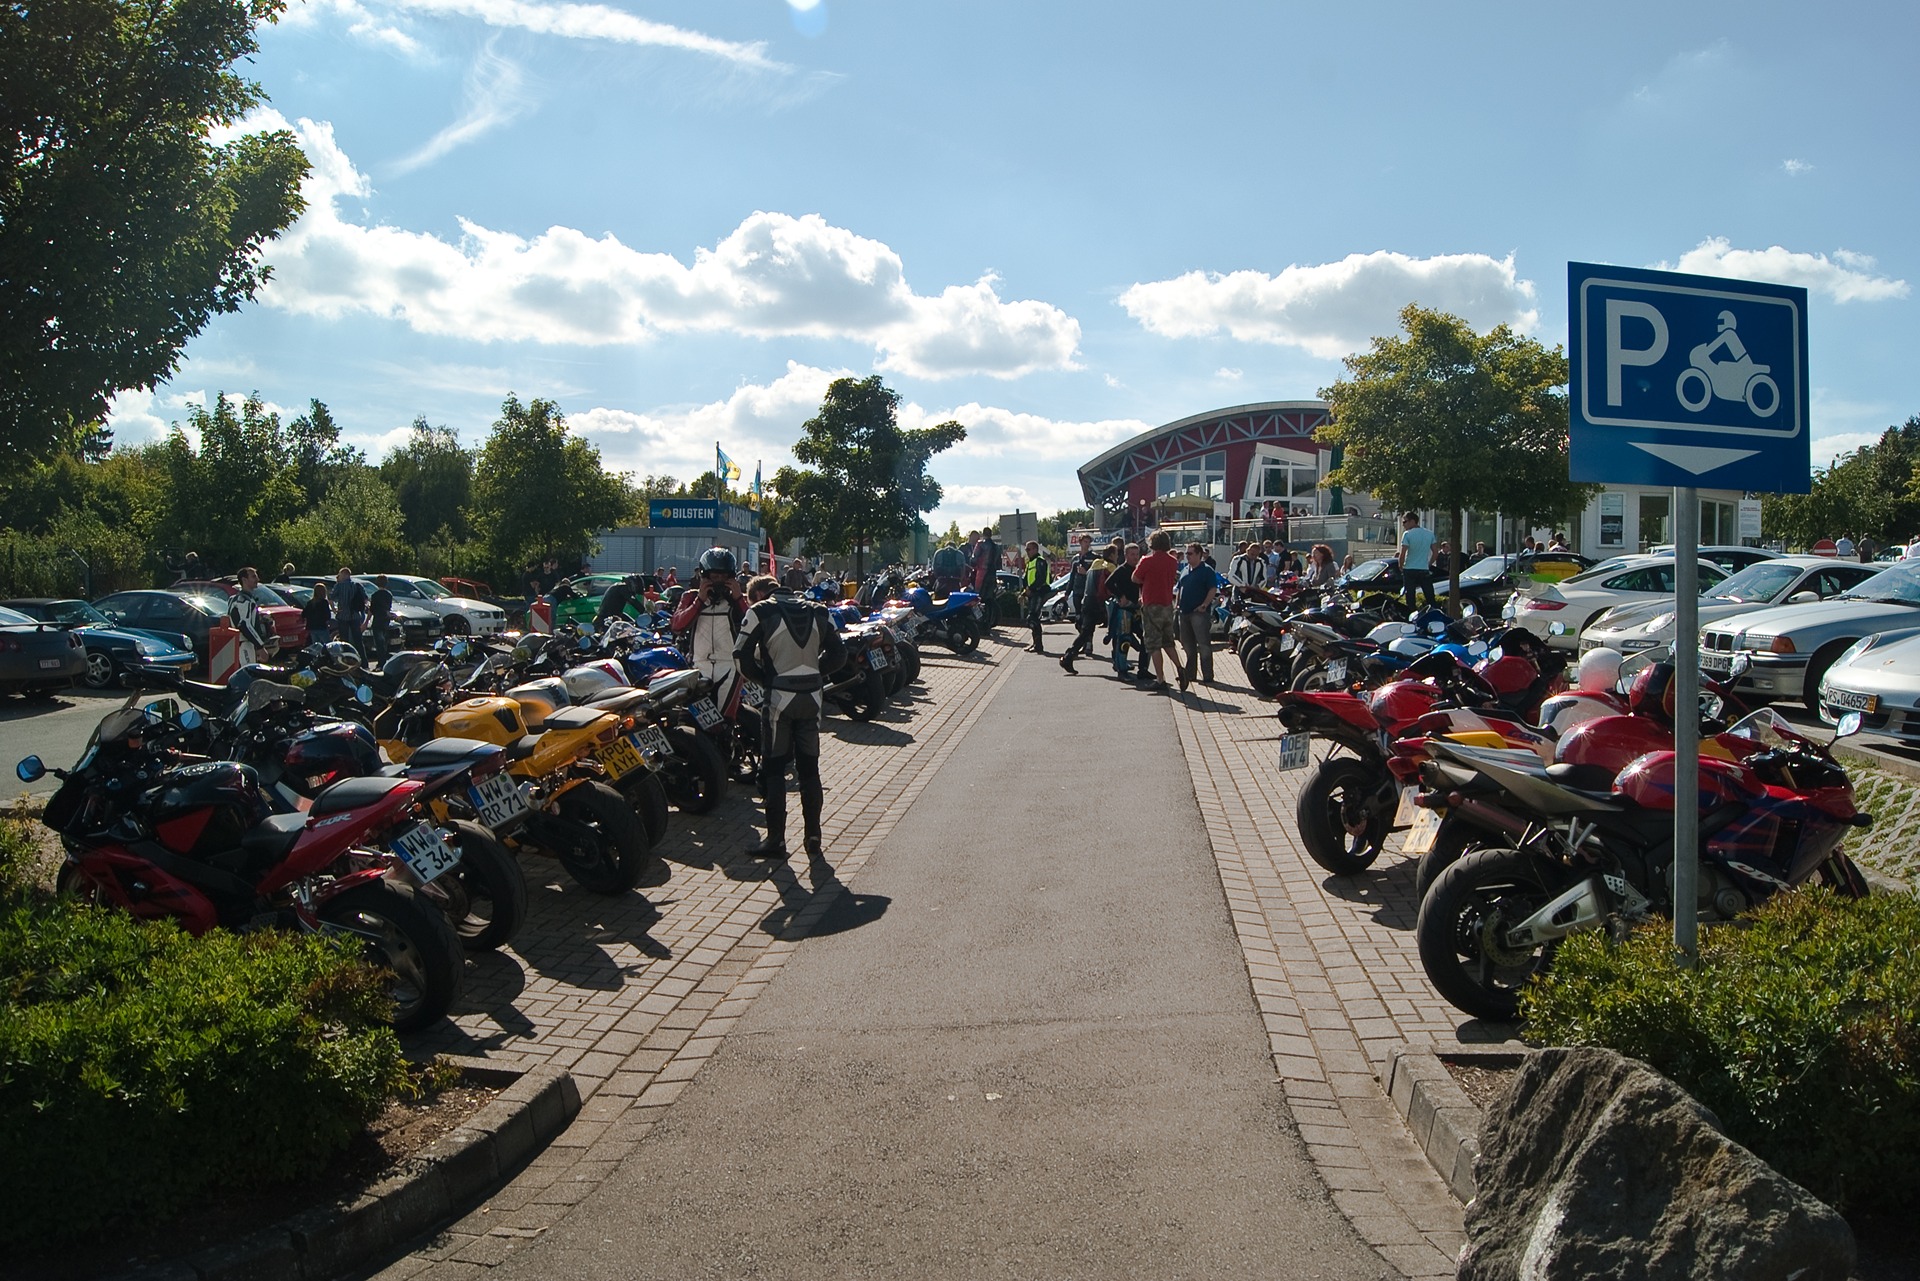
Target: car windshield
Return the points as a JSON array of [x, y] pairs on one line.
[[76, 611], [1760, 581], [1484, 570], [295, 595], [1367, 571], [207, 605], [1897, 585], [13, 618], [265, 595], [427, 587]]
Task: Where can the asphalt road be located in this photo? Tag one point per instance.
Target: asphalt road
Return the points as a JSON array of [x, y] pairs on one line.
[[55, 729], [1026, 1048]]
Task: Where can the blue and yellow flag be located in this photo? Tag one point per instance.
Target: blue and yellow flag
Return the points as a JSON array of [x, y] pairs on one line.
[[753, 496], [724, 467]]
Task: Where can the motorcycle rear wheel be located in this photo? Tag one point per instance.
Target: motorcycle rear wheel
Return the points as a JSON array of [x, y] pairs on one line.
[[1262, 674], [612, 853], [962, 636], [909, 663], [1452, 841], [407, 938], [643, 791], [1462, 921], [871, 697], [1341, 787], [696, 776], [1311, 679], [486, 889]]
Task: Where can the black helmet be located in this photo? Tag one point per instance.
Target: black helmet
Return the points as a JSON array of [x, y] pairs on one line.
[[1651, 694], [718, 560]]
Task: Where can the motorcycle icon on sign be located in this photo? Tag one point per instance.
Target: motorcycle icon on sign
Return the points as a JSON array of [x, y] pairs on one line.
[[1736, 377]]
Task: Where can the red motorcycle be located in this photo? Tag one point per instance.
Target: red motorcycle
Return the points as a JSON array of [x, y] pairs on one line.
[[199, 843]]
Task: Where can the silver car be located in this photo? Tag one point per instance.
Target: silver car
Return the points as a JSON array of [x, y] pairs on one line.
[[1780, 581], [1878, 677], [1794, 645]]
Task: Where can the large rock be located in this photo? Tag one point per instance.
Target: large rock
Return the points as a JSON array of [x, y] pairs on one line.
[[1594, 1165]]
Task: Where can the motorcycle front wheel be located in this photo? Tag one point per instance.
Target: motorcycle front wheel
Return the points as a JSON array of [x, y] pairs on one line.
[[1463, 924], [409, 940], [1341, 792], [609, 852]]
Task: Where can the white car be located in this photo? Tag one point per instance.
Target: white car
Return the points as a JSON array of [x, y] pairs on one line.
[[1559, 612], [1784, 579], [463, 615]]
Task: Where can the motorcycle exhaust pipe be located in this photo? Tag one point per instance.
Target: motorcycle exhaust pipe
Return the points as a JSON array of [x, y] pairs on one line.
[[1481, 814]]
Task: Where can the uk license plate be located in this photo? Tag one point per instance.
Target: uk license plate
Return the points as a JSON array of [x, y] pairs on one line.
[[876, 659], [1420, 837], [497, 801], [1296, 751], [1336, 671], [1848, 700], [753, 694], [651, 738], [619, 758], [707, 713], [1716, 663], [421, 848]]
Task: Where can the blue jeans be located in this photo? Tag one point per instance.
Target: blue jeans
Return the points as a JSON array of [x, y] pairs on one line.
[[1120, 623]]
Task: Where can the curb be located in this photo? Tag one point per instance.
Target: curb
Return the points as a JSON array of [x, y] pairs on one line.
[[1444, 1121], [437, 1185]]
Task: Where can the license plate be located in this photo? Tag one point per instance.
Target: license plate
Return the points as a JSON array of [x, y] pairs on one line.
[[1420, 837], [651, 738], [47, 663], [422, 849], [1716, 662], [619, 758], [1337, 671], [707, 713], [1853, 702], [1406, 811], [497, 801], [1296, 751], [753, 694], [1286, 643], [876, 659]]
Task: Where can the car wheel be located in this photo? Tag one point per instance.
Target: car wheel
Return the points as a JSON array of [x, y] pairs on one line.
[[1817, 670], [100, 671], [457, 625]]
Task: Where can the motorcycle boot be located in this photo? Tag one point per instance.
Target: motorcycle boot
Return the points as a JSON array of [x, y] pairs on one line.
[[773, 792]]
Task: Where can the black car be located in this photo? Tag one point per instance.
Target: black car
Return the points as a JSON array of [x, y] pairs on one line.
[[111, 649], [173, 613], [36, 657]]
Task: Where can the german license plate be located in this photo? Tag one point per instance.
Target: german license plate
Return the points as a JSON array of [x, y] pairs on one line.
[[1848, 700], [1404, 813], [1336, 671], [620, 758], [651, 738], [49, 663], [1286, 643], [753, 694], [876, 659], [423, 849], [707, 713], [1296, 751], [497, 801], [1420, 837]]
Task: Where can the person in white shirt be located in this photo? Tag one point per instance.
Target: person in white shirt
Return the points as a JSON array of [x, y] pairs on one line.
[[1843, 547]]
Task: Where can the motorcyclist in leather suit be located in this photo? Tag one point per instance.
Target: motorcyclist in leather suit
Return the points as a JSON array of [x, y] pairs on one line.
[[788, 644]]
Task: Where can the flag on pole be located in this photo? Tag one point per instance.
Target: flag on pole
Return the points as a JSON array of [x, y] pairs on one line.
[[724, 467], [753, 495], [773, 558]]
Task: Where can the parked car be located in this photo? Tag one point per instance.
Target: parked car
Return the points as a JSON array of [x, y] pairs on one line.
[[1559, 612], [1792, 646], [1877, 676], [37, 657], [110, 650], [167, 613], [410, 627], [577, 600], [460, 615], [1778, 581], [288, 623], [1728, 556]]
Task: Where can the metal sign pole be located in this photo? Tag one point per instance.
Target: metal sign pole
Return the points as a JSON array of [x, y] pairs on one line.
[[1686, 722]]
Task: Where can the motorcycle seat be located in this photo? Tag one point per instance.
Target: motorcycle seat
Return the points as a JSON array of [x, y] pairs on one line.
[[574, 718], [521, 748], [445, 753], [354, 793], [1596, 779], [274, 839]]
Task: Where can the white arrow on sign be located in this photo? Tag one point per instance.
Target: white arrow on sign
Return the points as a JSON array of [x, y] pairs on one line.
[[1697, 459]]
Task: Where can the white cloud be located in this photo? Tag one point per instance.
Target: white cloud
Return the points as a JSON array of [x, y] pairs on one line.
[[596, 22], [1334, 308], [755, 422], [1228, 374], [1844, 277], [775, 275], [1794, 168], [495, 94], [1825, 449], [993, 432], [976, 505]]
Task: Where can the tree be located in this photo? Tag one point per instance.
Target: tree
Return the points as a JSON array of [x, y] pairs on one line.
[[1873, 492], [1055, 528], [123, 226], [864, 479], [538, 491], [319, 460], [1455, 421], [357, 523], [228, 497], [432, 480]]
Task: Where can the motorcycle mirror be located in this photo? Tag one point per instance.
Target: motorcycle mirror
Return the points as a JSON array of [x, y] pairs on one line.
[[31, 770], [192, 719], [364, 693], [163, 710], [1849, 726]]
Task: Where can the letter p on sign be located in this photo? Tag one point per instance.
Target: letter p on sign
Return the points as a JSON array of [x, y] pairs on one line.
[[1618, 354]]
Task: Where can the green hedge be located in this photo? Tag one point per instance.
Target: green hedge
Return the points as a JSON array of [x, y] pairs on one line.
[[1800, 1029], [140, 1067]]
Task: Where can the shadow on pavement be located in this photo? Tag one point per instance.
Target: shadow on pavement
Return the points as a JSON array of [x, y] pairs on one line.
[[871, 733], [1387, 885]]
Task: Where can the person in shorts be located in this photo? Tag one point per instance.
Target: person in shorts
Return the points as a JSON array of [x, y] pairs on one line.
[[1159, 637], [1194, 598]]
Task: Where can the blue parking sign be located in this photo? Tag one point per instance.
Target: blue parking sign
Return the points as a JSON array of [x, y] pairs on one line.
[[1682, 380]]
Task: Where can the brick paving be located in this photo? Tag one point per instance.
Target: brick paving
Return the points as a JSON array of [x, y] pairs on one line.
[[633, 1000]]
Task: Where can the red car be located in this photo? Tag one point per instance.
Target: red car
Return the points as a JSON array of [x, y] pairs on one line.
[[288, 623]]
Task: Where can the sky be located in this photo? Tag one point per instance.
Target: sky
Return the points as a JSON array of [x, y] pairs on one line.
[[1059, 222]]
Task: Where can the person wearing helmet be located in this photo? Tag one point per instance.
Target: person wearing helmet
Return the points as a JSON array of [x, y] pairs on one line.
[[1599, 671], [1651, 694], [709, 617], [789, 644]]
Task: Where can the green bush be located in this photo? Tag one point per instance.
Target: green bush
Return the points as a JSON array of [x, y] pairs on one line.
[[1798, 1029], [18, 854], [140, 1067]]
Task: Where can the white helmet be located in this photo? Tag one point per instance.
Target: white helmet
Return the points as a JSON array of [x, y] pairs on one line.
[[589, 680], [1387, 633], [1599, 670], [1562, 712]]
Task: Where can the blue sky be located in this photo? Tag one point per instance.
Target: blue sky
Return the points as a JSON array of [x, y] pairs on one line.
[[1061, 223]]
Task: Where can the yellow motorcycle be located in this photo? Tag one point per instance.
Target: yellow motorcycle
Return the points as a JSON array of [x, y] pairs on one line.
[[564, 811]]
